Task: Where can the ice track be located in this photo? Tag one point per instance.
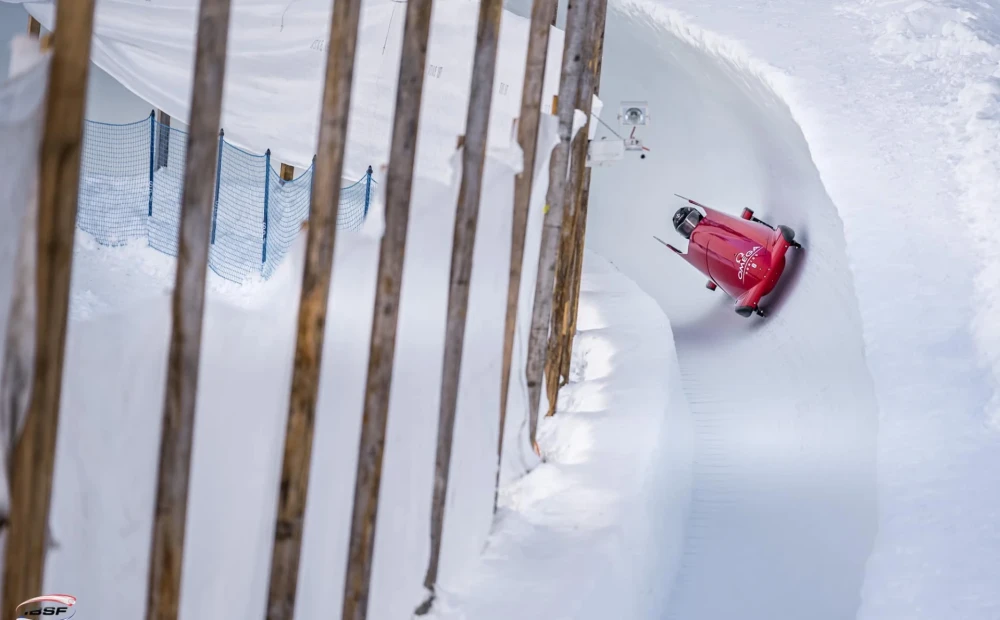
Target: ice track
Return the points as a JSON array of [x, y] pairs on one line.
[[782, 514]]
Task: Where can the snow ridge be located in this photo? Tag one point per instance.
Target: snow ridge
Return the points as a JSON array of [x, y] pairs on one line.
[[960, 45]]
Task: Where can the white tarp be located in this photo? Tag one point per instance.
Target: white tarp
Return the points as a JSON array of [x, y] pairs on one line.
[[276, 63], [22, 107]]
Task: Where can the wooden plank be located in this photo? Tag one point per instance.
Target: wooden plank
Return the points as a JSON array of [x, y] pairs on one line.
[[287, 172], [570, 250], [313, 307], [599, 24], [33, 459], [398, 189], [34, 27], [463, 245], [166, 557], [569, 82], [542, 13]]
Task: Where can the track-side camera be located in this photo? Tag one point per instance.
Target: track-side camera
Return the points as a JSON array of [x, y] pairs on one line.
[[634, 113]]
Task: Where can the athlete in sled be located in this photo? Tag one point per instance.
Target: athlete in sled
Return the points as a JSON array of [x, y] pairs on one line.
[[743, 255]]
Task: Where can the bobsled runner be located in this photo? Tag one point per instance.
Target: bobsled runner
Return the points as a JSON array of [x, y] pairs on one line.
[[744, 256]]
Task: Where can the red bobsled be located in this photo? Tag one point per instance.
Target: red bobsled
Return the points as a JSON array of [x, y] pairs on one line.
[[742, 255]]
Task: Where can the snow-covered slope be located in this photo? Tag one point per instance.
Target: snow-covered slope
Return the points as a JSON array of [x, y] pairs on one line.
[[112, 403]]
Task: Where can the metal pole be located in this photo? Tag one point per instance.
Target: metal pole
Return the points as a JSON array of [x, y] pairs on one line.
[[267, 198], [218, 183], [368, 190], [152, 147]]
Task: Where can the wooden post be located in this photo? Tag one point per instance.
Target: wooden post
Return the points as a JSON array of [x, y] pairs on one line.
[[558, 353], [166, 557], [542, 13], [398, 189], [34, 27], [313, 305], [463, 246], [58, 184], [577, 274], [163, 140], [287, 172], [569, 83]]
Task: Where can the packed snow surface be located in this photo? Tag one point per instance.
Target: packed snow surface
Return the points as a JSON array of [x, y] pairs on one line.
[[883, 116]]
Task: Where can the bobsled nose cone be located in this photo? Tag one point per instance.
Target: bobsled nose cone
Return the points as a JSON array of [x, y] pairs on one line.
[[787, 234]]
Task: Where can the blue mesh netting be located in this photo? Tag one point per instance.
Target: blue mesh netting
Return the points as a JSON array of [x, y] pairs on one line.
[[131, 181]]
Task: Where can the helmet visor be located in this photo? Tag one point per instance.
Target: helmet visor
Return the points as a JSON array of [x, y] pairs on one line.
[[687, 225]]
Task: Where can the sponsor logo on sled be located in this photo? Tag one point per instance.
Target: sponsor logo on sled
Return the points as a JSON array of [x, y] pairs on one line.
[[744, 261], [51, 606]]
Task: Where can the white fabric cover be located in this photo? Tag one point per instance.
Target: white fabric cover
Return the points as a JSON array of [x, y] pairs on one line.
[[275, 70]]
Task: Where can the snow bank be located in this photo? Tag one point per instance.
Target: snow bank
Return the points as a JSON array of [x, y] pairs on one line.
[[959, 43], [596, 531], [112, 402]]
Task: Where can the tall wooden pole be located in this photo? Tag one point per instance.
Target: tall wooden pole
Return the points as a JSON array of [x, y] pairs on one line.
[[463, 245], [166, 558], [559, 338], [569, 83], [581, 234], [58, 183], [543, 12], [398, 190], [313, 307]]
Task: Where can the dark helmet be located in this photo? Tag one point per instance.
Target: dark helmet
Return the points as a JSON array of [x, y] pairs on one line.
[[685, 220]]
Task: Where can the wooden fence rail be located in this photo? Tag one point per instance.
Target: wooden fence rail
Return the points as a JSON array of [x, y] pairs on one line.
[[543, 16], [569, 84], [59, 178], [398, 190], [463, 245], [576, 275], [570, 255], [183, 361], [313, 303]]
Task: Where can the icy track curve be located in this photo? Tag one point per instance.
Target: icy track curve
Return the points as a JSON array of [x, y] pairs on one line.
[[782, 516]]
